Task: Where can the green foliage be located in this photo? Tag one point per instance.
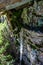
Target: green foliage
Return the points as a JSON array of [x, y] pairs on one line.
[[16, 15], [24, 15], [5, 58]]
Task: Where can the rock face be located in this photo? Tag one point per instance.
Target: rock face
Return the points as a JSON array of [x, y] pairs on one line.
[[4, 3], [32, 18], [33, 15], [33, 34], [40, 8], [41, 57], [11, 4], [33, 47]]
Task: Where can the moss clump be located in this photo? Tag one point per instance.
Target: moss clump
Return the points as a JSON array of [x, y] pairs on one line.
[[5, 58]]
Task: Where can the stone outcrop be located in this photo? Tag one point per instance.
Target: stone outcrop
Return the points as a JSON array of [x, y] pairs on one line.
[[33, 47]]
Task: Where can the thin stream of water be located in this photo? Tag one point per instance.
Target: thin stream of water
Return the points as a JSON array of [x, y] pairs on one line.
[[21, 46]]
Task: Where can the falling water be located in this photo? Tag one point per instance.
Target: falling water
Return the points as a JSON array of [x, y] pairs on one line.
[[21, 45]]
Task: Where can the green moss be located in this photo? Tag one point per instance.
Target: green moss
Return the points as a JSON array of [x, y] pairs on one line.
[[5, 58]]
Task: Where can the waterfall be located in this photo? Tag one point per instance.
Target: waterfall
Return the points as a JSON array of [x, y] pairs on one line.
[[21, 45]]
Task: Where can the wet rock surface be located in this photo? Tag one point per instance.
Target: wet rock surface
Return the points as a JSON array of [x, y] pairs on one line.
[[30, 41], [33, 34], [33, 54]]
